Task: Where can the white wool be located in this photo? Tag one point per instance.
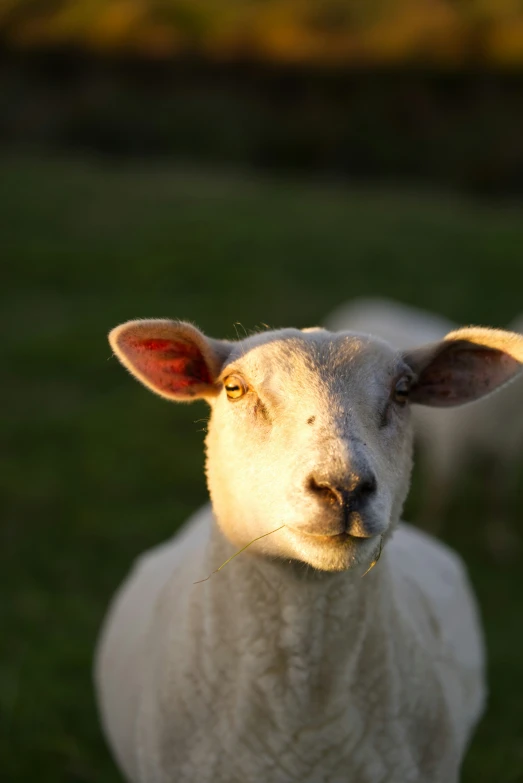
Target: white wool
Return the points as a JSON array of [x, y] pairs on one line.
[[261, 675]]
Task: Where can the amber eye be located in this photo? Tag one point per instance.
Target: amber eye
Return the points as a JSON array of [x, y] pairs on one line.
[[235, 387], [401, 390]]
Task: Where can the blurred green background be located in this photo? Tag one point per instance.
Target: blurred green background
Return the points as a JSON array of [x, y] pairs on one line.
[[194, 174]]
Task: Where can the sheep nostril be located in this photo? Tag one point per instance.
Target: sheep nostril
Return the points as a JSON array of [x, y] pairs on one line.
[[367, 487], [362, 492], [324, 491]]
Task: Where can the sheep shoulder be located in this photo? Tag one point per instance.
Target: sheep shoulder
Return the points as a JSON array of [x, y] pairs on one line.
[[133, 624], [433, 587]]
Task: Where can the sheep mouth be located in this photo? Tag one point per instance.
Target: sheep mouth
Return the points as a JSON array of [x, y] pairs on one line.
[[334, 539]]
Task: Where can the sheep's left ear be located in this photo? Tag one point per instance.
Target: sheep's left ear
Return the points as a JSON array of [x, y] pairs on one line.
[[466, 365], [172, 358]]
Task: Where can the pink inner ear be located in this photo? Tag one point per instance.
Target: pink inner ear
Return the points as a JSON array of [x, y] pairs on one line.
[[171, 366]]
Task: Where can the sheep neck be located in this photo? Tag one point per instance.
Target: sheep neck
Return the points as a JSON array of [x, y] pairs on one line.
[[302, 614]]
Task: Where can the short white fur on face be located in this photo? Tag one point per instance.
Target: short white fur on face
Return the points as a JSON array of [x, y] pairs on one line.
[[311, 430], [318, 414]]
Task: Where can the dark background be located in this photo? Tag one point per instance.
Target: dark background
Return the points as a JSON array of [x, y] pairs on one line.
[[234, 165]]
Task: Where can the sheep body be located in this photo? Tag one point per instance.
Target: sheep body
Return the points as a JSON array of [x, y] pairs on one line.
[[295, 663], [242, 678]]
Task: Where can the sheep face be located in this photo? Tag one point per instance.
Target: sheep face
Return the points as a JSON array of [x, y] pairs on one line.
[[311, 431]]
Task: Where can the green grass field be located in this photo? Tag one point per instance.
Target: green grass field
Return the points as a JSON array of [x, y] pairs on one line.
[[95, 468]]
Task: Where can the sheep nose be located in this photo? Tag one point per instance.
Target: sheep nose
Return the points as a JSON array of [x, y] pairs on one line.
[[350, 496]]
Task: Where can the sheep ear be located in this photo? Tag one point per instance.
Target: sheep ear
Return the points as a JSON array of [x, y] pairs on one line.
[[172, 358], [466, 365]]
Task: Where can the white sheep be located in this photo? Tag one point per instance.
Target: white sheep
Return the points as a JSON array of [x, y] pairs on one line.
[[449, 441], [293, 664]]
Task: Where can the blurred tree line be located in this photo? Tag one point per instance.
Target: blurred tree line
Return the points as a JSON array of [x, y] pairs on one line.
[[373, 31], [420, 90]]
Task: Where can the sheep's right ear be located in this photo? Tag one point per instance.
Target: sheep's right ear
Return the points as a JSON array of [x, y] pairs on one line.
[[467, 364], [172, 358]]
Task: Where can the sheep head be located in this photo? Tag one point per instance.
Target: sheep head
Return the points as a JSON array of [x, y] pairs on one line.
[[312, 429]]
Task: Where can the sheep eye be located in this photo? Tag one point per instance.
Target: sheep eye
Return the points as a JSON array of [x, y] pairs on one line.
[[235, 387], [401, 390]]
